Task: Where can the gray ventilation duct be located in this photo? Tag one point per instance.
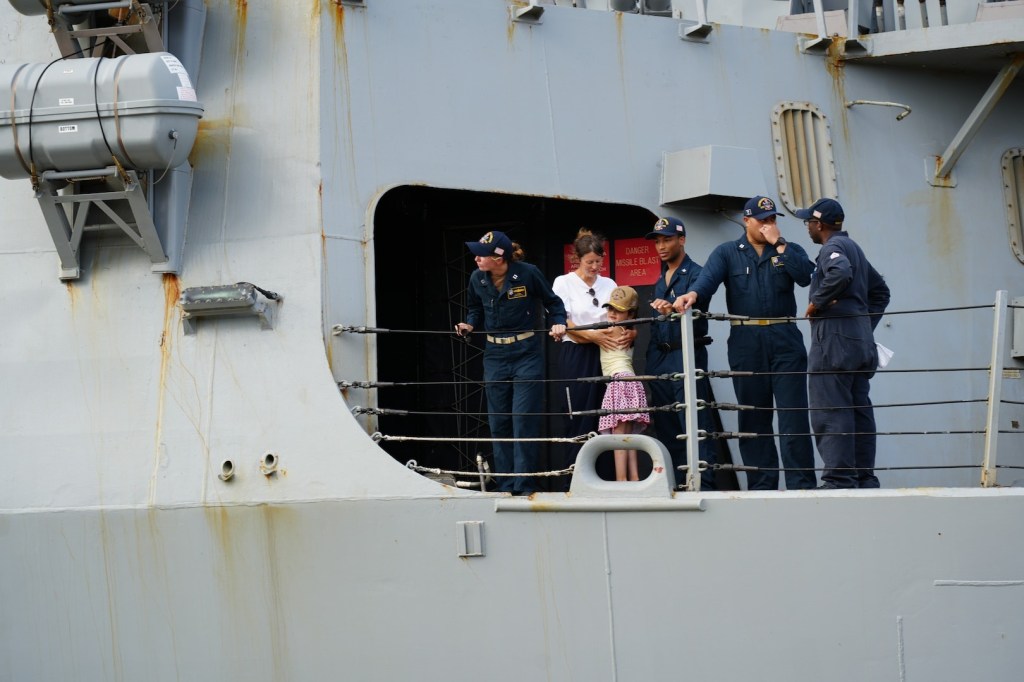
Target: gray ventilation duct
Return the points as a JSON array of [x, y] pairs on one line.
[[81, 114]]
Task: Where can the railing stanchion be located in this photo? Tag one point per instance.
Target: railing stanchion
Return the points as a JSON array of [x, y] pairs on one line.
[[690, 383], [819, 16], [853, 20], [995, 390]]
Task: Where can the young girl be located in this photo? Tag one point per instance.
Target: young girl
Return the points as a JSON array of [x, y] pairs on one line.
[[622, 395]]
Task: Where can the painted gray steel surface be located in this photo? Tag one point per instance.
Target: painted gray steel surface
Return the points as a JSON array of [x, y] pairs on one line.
[[810, 586], [125, 557]]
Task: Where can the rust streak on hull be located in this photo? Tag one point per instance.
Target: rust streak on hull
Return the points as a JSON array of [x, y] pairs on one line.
[[172, 291]]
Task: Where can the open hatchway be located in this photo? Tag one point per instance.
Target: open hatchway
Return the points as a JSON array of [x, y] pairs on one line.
[[422, 267]]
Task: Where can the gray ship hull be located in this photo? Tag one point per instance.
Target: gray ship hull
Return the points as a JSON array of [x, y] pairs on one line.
[[889, 585], [123, 553]]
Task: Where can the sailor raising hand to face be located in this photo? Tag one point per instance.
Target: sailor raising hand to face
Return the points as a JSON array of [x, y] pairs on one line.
[[760, 271]]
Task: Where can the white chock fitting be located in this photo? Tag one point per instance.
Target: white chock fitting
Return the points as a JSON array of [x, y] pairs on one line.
[[268, 463], [227, 470]]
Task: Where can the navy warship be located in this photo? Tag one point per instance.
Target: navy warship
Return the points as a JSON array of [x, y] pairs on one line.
[[240, 441]]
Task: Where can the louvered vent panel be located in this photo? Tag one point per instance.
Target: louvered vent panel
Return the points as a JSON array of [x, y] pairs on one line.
[[1013, 190], [803, 154]]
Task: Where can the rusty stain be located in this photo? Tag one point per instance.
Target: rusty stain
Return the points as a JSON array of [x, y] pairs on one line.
[[219, 519], [324, 261], [172, 291], [274, 520], [320, 208], [242, 11], [260, 527], [618, 33], [150, 540], [835, 64], [622, 83], [510, 31], [213, 140], [339, 16], [212, 126], [72, 294], [345, 141], [945, 230], [345, 87], [540, 506], [109, 562], [323, 231]]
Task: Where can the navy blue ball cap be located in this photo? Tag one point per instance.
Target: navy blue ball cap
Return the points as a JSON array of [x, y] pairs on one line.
[[667, 227], [759, 208], [493, 243], [828, 211]]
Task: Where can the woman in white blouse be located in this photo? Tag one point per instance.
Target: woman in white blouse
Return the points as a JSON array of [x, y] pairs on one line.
[[584, 291]]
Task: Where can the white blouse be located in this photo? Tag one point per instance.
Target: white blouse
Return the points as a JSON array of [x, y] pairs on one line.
[[579, 303]]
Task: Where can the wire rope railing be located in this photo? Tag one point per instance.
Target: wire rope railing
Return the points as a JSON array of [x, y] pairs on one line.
[[991, 429]]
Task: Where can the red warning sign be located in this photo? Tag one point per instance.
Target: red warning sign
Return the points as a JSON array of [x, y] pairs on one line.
[[636, 262]]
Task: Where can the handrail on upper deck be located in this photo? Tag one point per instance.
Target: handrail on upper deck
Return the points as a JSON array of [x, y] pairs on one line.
[[1000, 331]]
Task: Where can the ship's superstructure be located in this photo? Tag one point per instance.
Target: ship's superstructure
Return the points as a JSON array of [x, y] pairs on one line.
[[186, 492]]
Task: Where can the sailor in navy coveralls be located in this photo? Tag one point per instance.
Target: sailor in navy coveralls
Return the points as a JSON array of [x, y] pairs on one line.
[[503, 294], [846, 299], [759, 271], [664, 351]]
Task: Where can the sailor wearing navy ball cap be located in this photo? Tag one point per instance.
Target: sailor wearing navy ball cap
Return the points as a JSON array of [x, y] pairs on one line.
[[845, 302], [760, 270], [664, 350], [502, 298]]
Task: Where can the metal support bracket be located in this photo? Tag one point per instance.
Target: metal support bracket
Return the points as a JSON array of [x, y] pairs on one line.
[[817, 44], [67, 36], [995, 390], [852, 42], [823, 40], [930, 164], [697, 33], [67, 234], [526, 14], [945, 162]]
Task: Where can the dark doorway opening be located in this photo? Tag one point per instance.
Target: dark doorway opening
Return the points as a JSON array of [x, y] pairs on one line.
[[422, 267]]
